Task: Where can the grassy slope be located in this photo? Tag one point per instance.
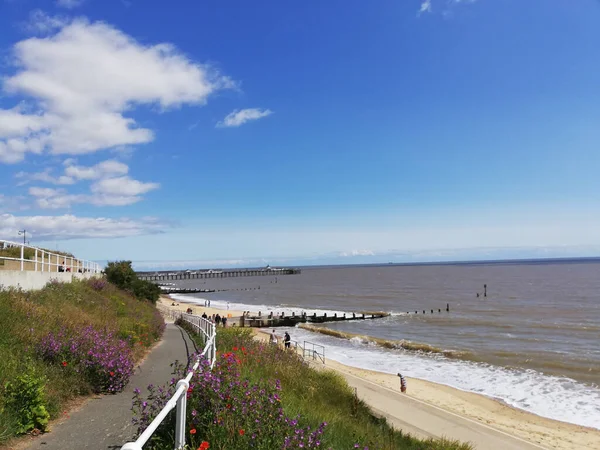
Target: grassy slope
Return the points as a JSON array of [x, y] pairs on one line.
[[322, 396], [27, 316]]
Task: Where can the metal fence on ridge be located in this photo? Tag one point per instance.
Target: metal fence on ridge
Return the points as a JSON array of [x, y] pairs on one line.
[[179, 398], [19, 256]]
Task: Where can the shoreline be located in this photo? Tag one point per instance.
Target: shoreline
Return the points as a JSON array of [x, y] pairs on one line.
[[494, 413]]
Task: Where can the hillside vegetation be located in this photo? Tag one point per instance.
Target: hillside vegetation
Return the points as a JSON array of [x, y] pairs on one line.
[[65, 341]]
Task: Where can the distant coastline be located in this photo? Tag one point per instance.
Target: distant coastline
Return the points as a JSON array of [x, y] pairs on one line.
[[490, 262]]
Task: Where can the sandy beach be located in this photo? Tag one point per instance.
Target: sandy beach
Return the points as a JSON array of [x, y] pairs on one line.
[[430, 409], [199, 309]]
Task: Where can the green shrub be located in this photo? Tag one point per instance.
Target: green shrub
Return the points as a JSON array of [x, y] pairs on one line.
[[122, 275], [25, 398]]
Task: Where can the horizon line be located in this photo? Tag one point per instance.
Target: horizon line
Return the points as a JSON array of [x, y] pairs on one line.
[[416, 263]]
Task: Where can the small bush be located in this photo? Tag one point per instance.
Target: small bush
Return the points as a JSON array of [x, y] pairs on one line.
[[122, 275], [25, 399], [97, 284]]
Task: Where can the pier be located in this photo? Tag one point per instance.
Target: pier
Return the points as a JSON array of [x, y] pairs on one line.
[[200, 275], [282, 320]]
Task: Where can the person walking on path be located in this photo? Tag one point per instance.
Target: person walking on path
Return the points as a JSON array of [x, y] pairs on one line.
[[402, 383], [224, 321], [286, 340], [273, 338]]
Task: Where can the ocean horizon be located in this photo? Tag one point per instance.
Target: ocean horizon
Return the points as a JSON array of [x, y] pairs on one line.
[[565, 260]]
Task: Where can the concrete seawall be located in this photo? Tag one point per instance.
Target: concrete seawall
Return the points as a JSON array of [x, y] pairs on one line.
[[29, 281]]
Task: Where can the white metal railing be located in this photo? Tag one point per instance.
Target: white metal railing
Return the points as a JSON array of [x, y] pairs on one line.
[[179, 398], [45, 261]]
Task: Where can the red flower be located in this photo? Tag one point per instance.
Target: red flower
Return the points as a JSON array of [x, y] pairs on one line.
[[112, 374], [190, 389], [64, 363], [235, 349], [204, 445], [243, 349], [242, 432], [193, 431]]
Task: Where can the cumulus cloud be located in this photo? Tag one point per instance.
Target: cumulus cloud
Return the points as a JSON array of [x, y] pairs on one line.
[[41, 23], [104, 169], [72, 227], [110, 185], [241, 116], [44, 176], [123, 186], [83, 78]]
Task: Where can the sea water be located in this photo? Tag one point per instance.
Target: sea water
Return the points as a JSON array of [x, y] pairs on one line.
[[531, 341]]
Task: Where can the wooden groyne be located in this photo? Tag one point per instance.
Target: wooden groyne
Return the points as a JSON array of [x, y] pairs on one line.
[[185, 291], [200, 275], [289, 321]]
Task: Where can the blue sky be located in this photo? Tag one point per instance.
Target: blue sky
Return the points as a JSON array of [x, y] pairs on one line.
[[237, 133]]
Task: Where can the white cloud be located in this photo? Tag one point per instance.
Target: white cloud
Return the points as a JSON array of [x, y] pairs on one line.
[[41, 23], [425, 7], [74, 173], [72, 227], [44, 176], [122, 186], [69, 4], [14, 123], [241, 116], [110, 187], [83, 78], [105, 168]]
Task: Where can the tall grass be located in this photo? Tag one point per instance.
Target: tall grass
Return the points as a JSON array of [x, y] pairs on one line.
[[316, 397], [70, 310]]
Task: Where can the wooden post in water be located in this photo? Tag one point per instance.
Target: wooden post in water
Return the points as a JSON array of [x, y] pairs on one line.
[[485, 290], [447, 307]]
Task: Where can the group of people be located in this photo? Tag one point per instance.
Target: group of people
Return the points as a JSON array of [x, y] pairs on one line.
[[216, 319], [286, 339]]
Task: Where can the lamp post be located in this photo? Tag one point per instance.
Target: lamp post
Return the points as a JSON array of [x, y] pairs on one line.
[[24, 233]]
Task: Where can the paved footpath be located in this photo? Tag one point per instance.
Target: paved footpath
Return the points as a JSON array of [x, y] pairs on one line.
[[105, 422]]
